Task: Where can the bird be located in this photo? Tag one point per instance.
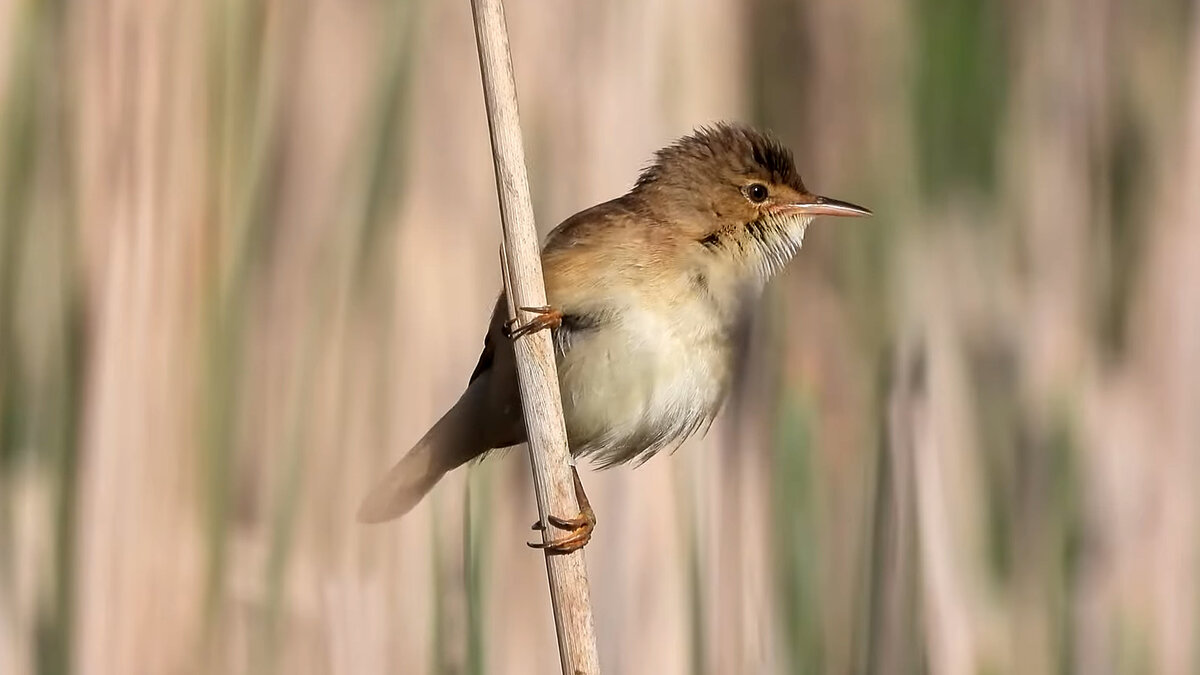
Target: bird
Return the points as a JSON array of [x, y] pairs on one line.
[[645, 294]]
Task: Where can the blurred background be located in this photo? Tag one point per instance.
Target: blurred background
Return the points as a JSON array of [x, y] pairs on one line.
[[248, 249]]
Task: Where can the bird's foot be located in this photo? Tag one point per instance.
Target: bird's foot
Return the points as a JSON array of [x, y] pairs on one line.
[[579, 529], [547, 317], [579, 532]]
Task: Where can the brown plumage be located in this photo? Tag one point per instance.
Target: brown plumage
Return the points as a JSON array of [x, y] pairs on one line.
[[650, 287]]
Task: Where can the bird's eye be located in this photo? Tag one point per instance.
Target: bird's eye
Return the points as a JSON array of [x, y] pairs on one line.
[[756, 192]]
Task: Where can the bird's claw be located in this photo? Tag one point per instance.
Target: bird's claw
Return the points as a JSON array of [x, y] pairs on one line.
[[579, 531], [579, 528], [563, 523], [547, 317]]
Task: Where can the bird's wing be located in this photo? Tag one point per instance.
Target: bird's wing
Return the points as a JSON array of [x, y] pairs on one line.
[[488, 358], [577, 259]]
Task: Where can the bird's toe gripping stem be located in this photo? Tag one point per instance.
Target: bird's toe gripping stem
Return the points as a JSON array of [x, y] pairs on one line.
[[547, 317], [579, 529]]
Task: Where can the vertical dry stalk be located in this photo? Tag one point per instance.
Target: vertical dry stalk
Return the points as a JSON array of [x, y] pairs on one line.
[[548, 453]]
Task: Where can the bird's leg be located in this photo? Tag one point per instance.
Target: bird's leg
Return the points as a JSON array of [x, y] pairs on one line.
[[580, 527], [547, 317]]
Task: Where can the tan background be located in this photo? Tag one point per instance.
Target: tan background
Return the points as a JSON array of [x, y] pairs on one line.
[[248, 248]]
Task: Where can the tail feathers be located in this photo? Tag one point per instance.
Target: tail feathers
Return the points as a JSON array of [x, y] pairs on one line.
[[453, 441], [403, 487]]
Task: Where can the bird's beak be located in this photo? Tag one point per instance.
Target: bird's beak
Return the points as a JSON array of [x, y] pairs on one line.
[[813, 205]]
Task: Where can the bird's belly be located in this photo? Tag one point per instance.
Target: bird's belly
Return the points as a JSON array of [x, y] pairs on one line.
[[634, 388]]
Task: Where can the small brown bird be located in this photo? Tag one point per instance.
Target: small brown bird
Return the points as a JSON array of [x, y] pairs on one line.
[[645, 294]]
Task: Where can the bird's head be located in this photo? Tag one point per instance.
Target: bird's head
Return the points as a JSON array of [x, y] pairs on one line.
[[735, 191]]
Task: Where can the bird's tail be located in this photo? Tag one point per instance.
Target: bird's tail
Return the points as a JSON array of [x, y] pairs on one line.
[[457, 438]]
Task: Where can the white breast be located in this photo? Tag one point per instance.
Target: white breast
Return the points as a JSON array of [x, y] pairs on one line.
[[641, 382]]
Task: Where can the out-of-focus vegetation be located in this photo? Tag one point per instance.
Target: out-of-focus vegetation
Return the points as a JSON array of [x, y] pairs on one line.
[[248, 249]]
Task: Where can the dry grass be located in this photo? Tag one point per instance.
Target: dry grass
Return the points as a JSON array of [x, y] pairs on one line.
[[247, 250]]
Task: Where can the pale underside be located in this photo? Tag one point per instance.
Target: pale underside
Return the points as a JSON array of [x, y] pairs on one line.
[[640, 375]]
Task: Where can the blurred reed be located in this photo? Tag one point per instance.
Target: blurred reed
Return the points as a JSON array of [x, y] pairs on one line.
[[247, 250]]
